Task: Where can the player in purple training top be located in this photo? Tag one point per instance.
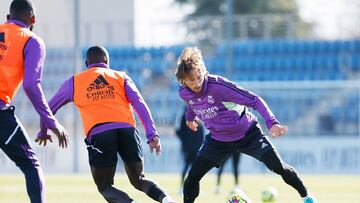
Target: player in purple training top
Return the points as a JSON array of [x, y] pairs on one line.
[[222, 107], [22, 56]]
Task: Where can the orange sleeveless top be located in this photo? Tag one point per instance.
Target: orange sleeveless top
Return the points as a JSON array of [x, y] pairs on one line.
[[13, 39], [99, 94]]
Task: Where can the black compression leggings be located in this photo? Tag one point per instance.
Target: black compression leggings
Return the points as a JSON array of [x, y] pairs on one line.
[[271, 159], [273, 162], [235, 157], [104, 180], [185, 169], [192, 182]]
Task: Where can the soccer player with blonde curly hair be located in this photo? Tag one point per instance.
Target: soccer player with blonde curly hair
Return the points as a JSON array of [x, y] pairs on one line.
[[223, 108]]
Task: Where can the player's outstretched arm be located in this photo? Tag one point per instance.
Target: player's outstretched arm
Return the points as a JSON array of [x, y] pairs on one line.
[[42, 138], [155, 145], [60, 133], [278, 130]]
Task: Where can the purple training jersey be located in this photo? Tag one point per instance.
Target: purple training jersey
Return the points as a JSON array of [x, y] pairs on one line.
[[221, 106]]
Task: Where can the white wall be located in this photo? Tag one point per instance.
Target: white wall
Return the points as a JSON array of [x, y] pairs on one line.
[[55, 21]]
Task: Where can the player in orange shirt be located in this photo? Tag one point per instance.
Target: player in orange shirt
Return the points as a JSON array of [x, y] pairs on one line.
[[105, 99], [22, 55]]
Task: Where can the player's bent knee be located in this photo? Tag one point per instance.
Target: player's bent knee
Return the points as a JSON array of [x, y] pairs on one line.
[[102, 188], [289, 172], [108, 193], [137, 182], [188, 183]]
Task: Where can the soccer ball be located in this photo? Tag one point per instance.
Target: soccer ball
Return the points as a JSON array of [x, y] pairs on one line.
[[269, 195], [236, 195]]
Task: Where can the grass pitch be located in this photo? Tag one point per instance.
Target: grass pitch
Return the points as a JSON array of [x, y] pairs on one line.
[[79, 188]]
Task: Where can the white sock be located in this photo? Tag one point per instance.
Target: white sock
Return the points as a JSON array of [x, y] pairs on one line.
[[166, 199]]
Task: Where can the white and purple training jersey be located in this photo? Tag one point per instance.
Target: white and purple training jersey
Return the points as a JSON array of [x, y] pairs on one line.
[[221, 106]]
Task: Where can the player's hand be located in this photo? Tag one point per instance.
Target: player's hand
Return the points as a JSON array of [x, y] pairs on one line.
[[61, 134], [192, 125], [42, 138], [155, 144], [278, 130]]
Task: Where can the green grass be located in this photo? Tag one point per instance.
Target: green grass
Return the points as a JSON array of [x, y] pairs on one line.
[[81, 189]]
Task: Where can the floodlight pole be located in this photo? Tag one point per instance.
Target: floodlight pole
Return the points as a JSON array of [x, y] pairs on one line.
[[229, 19], [77, 68]]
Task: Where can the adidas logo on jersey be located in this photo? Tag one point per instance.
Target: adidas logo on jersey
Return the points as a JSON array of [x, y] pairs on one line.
[[99, 83], [100, 89]]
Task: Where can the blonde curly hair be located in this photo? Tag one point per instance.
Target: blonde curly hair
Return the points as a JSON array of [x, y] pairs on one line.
[[190, 59]]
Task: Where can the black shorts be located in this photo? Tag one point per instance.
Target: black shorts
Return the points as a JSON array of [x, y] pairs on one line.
[[104, 147], [14, 140], [254, 144]]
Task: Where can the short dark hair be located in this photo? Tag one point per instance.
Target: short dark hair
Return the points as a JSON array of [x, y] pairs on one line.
[[96, 54], [19, 7]]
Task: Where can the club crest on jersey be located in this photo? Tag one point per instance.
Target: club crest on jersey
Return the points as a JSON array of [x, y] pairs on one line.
[[211, 99]]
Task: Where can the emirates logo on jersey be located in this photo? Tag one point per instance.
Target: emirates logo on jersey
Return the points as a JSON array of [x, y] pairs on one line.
[[207, 113]]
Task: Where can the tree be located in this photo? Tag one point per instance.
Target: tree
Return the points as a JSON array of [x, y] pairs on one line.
[[207, 23], [240, 7]]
